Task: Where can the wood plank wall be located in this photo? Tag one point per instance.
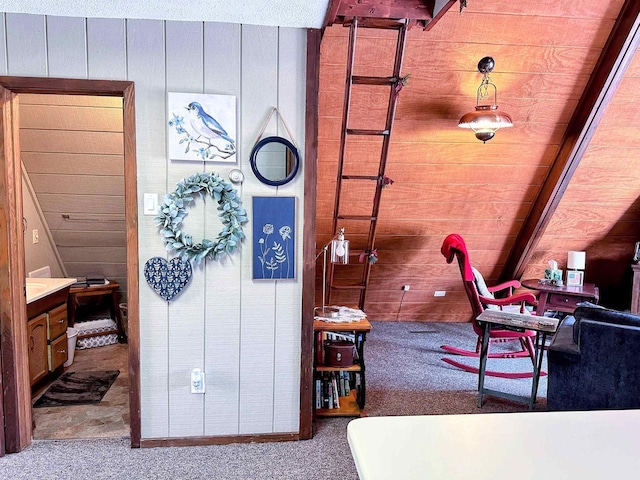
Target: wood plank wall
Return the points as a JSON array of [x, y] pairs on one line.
[[245, 334], [446, 181], [72, 149], [600, 211]]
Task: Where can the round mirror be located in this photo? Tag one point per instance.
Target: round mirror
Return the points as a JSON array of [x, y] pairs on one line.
[[274, 160]]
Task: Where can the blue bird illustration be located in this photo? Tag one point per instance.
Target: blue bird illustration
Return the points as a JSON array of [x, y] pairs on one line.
[[205, 125]]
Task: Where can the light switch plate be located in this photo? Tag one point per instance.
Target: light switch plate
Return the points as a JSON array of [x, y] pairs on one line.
[[150, 204]]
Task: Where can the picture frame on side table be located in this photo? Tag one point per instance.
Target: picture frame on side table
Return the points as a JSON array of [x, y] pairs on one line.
[[575, 278]]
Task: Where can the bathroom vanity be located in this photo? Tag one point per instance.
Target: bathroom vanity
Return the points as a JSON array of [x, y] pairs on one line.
[[47, 325]]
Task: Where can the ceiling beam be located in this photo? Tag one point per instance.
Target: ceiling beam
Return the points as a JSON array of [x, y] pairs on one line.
[[419, 12], [605, 79]]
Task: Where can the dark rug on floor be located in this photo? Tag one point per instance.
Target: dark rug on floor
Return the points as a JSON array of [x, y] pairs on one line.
[[78, 388]]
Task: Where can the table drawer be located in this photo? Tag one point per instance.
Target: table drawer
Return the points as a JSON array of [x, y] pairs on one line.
[[57, 352], [57, 322], [561, 300]]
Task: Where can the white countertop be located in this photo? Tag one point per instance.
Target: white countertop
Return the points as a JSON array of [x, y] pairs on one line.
[[543, 445], [38, 288]]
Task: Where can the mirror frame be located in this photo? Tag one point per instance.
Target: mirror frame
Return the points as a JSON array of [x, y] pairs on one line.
[[286, 143]]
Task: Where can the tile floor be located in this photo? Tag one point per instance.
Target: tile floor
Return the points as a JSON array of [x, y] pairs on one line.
[[109, 418]]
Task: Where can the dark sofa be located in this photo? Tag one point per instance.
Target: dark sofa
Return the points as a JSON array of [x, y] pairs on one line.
[[594, 361]]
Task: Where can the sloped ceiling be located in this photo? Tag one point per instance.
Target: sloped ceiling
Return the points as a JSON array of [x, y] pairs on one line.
[[446, 181], [72, 150]]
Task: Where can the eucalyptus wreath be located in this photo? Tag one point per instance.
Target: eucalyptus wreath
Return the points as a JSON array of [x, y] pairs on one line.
[[174, 209]]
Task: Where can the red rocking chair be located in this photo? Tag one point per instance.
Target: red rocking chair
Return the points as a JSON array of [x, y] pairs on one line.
[[481, 298]]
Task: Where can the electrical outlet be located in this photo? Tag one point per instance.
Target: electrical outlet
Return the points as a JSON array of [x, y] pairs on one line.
[[197, 380], [36, 237], [406, 288], [439, 293]]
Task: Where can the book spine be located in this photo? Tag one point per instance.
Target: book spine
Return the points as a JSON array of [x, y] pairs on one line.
[[336, 399], [318, 393], [330, 393], [347, 383], [325, 391], [319, 349]]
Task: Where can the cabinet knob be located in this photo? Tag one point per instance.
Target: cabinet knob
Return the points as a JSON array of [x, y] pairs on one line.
[[565, 300], [62, 351], [61, 321]]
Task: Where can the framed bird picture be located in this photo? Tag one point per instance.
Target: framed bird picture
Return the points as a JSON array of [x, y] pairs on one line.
[[202, 127]]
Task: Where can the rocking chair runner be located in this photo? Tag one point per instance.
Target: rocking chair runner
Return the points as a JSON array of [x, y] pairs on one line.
[[481, 298]]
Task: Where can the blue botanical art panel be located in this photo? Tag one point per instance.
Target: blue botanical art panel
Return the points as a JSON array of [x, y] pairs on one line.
[[274, 240], [202, 127]]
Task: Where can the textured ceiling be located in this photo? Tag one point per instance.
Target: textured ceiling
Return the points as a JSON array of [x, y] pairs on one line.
[[285, 13]]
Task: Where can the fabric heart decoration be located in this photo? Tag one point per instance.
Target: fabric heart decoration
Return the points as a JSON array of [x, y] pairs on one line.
[[167, 279]]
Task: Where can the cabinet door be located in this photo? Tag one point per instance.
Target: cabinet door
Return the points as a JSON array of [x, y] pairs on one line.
[[37, 335]]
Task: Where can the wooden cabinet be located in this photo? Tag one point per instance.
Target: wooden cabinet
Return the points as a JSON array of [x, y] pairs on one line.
[[37, 334], [351, 405], [47, 332]]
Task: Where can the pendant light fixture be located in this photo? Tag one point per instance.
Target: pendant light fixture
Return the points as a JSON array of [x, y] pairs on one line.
[[486, 119]]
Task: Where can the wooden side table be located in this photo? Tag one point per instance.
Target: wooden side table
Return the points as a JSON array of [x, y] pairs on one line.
[[109, 289], [354, 404], [541, 325], [562, 299]]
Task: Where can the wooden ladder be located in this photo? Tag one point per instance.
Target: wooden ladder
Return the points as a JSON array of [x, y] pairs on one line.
[[395, 82]]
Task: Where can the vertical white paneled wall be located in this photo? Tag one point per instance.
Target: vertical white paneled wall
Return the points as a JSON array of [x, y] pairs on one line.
[[245, 334], [185, 65], [222, 69], [66, 47], [259, 94], [292, 54], [146, 67]]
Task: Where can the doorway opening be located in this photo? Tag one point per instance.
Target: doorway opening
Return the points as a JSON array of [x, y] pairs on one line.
[[72, 153], [101, 243]]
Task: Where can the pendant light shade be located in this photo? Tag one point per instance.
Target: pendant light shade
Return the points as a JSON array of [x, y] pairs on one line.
[[486, 118]]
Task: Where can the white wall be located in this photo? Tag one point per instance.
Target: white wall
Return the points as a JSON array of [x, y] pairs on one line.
[[41, 254], [245, 334]]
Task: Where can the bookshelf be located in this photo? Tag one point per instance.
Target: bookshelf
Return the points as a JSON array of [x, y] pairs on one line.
[[349, 379]]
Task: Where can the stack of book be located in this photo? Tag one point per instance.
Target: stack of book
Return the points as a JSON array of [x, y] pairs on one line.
[[330, 386]]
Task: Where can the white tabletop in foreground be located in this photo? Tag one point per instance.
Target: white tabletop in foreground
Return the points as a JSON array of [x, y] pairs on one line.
[[544, 445]]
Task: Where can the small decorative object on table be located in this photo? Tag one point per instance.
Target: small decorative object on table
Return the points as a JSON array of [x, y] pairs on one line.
[[552, 276]]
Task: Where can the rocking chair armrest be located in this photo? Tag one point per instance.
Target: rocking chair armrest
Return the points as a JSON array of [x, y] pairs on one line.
[[503, 286], [513, 299]]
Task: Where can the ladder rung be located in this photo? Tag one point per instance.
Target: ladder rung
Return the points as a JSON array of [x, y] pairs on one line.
[[360, 177], [354, 131], [356, 217], [362, 80], [381, 23], [347, 287]]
